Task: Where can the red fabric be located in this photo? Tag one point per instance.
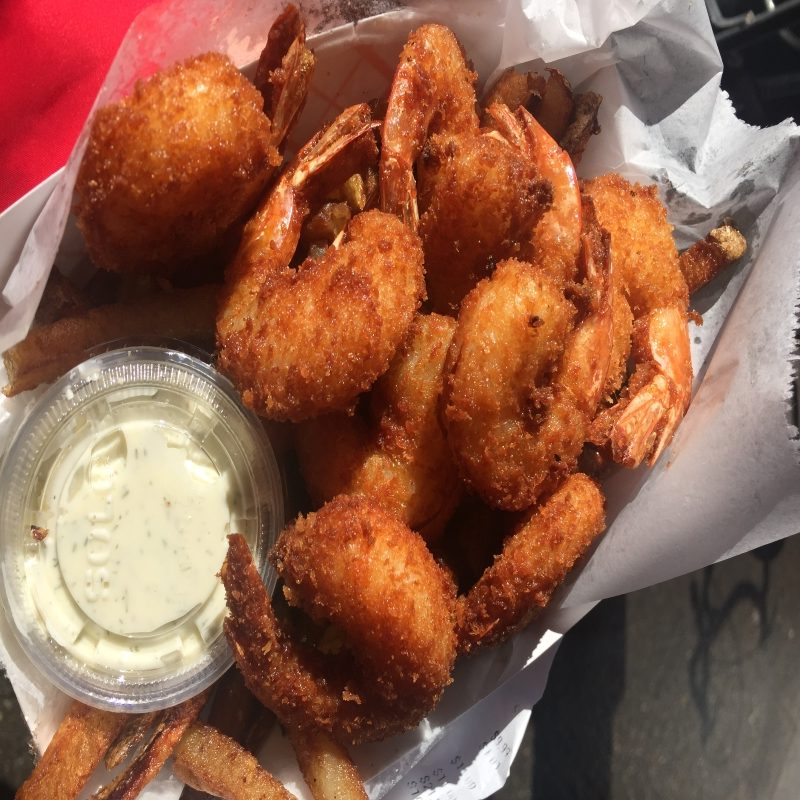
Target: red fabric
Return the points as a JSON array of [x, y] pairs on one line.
[[54, 55]]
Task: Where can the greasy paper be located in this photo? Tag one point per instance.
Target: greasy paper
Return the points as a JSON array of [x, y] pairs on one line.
[[730, 481]]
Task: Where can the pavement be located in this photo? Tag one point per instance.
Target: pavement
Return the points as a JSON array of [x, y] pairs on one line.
[[16, 759], [689, 689]]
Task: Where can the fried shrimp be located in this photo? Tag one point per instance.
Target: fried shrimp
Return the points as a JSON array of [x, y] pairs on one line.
[[433, 91], [395, 451], [301, 342], [356, 566], [535, 559], [476, 197], [556, 240], [283, 74], [168, 170], [523, 379], [480, 198], [643, 420]]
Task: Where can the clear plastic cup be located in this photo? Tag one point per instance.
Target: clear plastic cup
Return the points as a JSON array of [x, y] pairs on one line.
[[116, 496]]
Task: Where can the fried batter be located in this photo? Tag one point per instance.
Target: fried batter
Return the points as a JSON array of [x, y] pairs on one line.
[[535, 560], [170, 169], [357, 567], [524, 380], [301, 342], [395, 450]]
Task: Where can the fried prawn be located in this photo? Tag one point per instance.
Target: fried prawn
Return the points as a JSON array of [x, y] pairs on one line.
[[170, 169], [525, 373], [354, 566], [479, 200], [298, 342], [534, 561], [641, 423], [393, 449]]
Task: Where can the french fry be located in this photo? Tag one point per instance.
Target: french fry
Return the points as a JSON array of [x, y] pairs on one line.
[[61, 298], [515, 89], [327, 768], [554, 110], [582, 126], [211, 762], [50, 350], [236, 713], [130, 737], [76, 749], [146, 765], [571, 119], [706, 258]]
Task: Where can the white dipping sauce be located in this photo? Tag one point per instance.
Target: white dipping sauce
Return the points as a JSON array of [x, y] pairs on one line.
[[117, 494], [141, 535], [135, 548]]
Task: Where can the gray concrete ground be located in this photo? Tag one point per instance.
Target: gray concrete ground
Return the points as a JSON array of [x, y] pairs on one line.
[[686, 690], [16, 760]]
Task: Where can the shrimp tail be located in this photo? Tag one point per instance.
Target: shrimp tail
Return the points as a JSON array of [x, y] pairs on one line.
[[284, 72]]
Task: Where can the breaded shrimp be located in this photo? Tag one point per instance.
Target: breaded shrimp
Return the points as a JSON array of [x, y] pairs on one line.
[[283, 74], [433, 91], [301, 342], [555, 242], [476, 197], [523, 379], [395, 450], [534, 561], [168, 170], [480, 198], [356, 566], [642, 422]]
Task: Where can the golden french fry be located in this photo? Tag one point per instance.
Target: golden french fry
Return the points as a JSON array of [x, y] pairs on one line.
[[583, 125], [61, 298], [130, 737], [76, 749], [554, 111], [706, 258], [211, 762], [50, 350], [515, 89], [147, 764], [327, 767]]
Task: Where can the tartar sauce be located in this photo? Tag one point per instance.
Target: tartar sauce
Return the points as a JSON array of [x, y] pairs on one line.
[[126, 577]]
